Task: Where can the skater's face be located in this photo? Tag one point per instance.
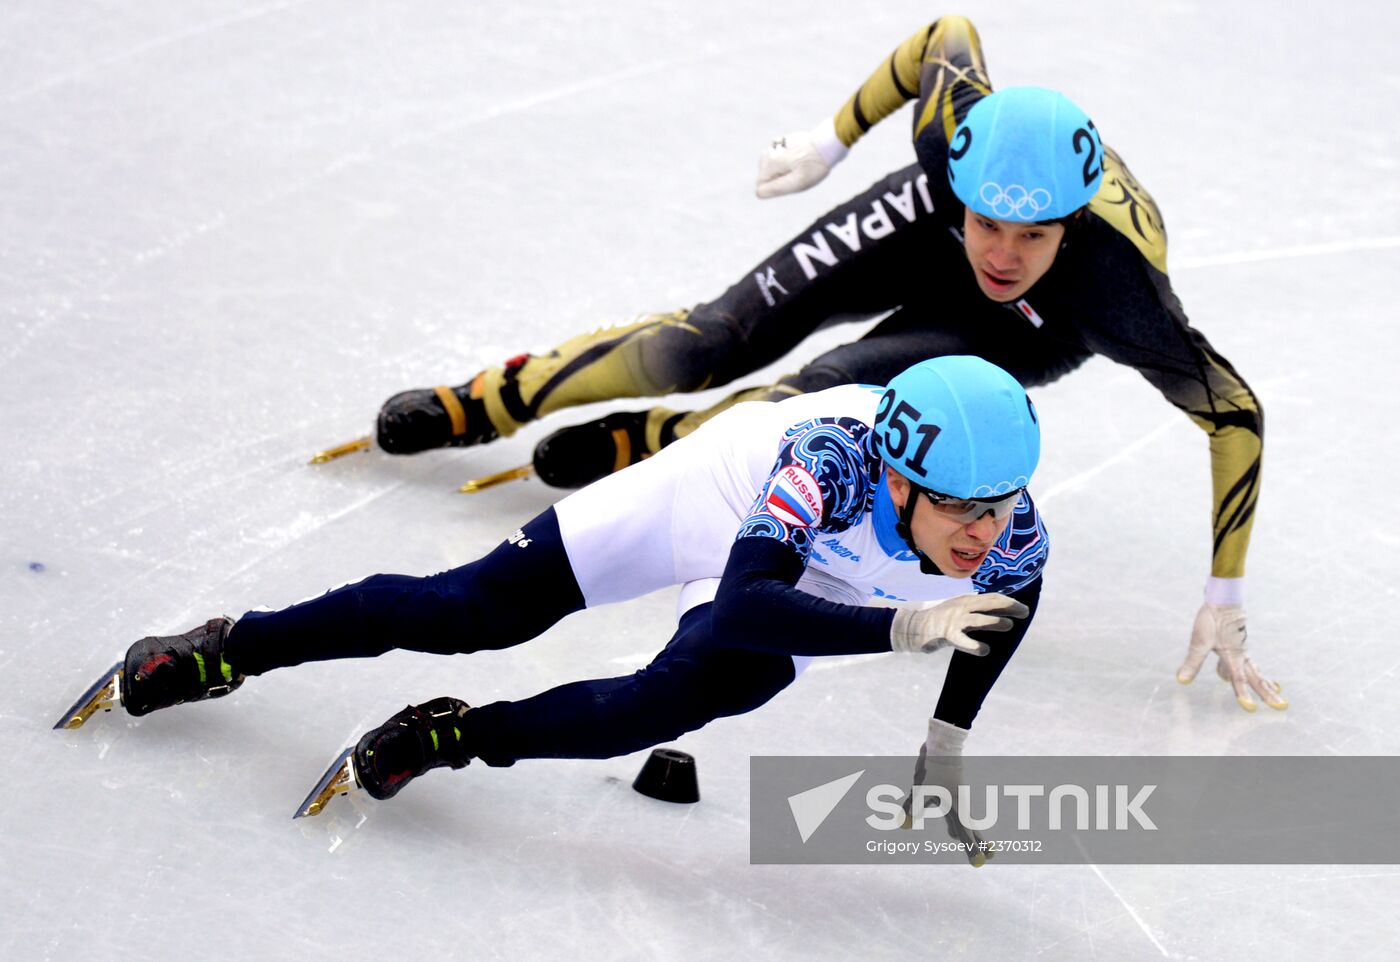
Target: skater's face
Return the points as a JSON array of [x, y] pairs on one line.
[[1007, 257], [957, 547]]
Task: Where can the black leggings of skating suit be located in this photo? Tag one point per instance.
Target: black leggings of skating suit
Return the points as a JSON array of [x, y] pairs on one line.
[[507, 597], [511, 595]]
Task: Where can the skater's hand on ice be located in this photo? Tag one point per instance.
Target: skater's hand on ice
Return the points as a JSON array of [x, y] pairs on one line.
[[1221, 629], [797, 161], [940, 766], [946, 623]]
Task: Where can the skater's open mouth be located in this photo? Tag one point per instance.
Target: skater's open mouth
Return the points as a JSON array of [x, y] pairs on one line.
[[967, 559]]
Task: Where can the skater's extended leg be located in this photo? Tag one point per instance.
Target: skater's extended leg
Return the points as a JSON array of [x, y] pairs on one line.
[[690, 683], [511, 595]]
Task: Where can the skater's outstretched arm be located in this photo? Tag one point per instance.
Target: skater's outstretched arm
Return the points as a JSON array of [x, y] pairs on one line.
[[1148, 330], [940, 66], [759, 607], [970, 678], [1145, 327]]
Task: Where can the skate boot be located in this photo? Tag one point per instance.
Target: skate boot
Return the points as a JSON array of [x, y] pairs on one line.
[[575, 456], [416, 739], [441, 417], [171, 670]]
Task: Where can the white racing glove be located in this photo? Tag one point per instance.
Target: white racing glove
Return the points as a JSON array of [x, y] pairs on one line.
[[940, 765], [947, 622], [797, 161], [1221, 629]]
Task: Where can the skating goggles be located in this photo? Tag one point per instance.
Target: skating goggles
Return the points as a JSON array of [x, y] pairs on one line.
[[968, 510]]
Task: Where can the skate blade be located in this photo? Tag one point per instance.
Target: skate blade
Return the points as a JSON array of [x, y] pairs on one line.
[[491, 480], [340, 450], [340, 779], [104, 695]]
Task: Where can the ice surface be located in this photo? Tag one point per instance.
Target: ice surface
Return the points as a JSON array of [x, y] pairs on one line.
[[230, 231]]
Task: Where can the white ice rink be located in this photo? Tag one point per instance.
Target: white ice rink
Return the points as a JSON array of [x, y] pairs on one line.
[[229, 231]]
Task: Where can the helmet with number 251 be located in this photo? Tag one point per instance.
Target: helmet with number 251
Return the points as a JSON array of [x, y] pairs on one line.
[[960, 428]]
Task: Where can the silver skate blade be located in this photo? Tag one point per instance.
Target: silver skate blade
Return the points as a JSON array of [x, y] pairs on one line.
[[340, 779], [104, 695]]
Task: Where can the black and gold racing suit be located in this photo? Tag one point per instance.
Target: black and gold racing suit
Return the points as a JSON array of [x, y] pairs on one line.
[[897, 248]]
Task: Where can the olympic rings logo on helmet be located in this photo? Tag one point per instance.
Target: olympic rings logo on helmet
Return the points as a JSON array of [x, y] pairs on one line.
[[1015, 200], [1001, 489]]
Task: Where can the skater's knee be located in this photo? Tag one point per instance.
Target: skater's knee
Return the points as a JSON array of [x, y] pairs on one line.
[[465, 610], [687, 352], [692, 692], [675, 697]]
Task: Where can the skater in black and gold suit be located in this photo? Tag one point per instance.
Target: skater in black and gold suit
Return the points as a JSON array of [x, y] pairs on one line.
[[965, 259]]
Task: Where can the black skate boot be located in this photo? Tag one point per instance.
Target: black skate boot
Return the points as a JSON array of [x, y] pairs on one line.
[[420, 420], [170, 670], [416, 739], [442, 417], [575, 456]]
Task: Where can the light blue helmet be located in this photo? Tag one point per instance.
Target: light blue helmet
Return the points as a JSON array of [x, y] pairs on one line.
[[1025, 154], [958, 426]]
